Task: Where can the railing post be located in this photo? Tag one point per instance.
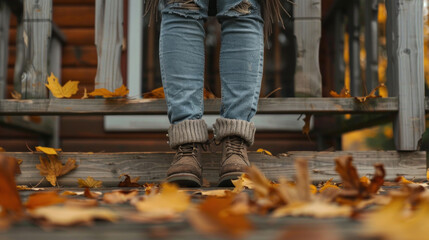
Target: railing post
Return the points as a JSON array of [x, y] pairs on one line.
[[308, 31], [371, 43], [405, 70], [19, 57], [4, 46], [109, 39], [356, 86], [37, 20]]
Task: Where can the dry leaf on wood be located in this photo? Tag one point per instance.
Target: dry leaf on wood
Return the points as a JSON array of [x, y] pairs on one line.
[[345, 93], [93, 195], [9, 200], [69, 216], [66, 91], [122, 91], [81, 202], [48, 150], [159, 93], [215, 193], [89, 182], [51, 168], [43, 199], [317, 209], [128, 181], [354, 188], [168, 200], [119, 196], [213, 216], [261, 150], [16, 95], [306, 127], [242, 183], [370, 95]]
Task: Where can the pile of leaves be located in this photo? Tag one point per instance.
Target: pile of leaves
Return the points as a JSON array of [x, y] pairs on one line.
[[224, 212]]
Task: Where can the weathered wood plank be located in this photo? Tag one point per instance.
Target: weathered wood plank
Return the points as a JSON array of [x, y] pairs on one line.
[[405, 70], [371, 43], [109, 39], [37, 32], [307, 30], [4, 43], [152, 167], [19, 57], [354, 48], [212, 106]]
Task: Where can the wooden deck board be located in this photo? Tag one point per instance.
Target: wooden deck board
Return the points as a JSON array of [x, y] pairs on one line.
[[152, 167], [212, 106]]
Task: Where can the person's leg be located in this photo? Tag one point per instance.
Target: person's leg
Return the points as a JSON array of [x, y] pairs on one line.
[[181, 52], [241, 67]]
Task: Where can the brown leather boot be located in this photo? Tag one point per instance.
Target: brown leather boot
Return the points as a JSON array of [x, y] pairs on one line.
[[236, 135], [234, 160], [187, 138], [186, 169]]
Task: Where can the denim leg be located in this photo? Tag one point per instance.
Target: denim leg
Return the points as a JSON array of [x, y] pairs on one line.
[[241, 57], [181, 53]]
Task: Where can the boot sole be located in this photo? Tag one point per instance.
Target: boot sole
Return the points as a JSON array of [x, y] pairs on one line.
[[185, 180], [225, 179]]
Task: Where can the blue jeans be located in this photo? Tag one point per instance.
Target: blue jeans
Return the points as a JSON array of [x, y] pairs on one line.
[[181, 52]]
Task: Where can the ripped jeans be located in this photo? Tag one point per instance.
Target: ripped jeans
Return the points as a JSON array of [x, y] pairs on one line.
[[181, 52]]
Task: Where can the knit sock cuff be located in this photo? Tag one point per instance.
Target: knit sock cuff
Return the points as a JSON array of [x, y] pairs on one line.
[[233, 127], [188, 131]]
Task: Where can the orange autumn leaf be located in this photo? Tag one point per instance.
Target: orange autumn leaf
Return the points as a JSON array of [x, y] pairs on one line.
[[122, 91], [66, 91], [128, 182], [345, 93], [215, 216], [89, 182], [92, 195], [306, 127], [10, 200], [51, 168], [43, 199], [261, 150], [16, 95], [159, 93], [370, 95]]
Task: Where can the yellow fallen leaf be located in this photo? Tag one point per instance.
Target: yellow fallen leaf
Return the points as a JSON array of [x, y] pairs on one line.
[[16, 95], [241, 183], [66, 91], [122, 91], [402, 179], [48, 150], [119, 196], [328, 184], [261, 150], [216, 193], [345, 93], [313, 189], [51, 168], [68, 215], [89, 182], [85, 94], [317, 209], [169, 200]]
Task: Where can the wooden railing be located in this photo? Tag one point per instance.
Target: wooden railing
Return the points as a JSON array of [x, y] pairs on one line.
[[405, 72]]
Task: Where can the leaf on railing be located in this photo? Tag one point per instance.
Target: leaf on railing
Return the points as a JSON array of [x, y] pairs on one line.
[[69, 89], [370, 95], [16, 95], [122, 91], [345, 93], [159, 93]]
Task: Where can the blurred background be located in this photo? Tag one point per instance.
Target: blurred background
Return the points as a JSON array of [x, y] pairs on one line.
[[75, 19]]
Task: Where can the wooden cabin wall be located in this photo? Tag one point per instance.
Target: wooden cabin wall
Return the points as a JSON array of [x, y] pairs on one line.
[[75, 18]]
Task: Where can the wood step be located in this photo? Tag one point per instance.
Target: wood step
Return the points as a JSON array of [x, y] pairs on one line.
[[152, 167], [211, 106]]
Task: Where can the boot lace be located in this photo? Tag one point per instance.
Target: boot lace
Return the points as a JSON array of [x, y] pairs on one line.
[[189, 150], [234, 146]]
